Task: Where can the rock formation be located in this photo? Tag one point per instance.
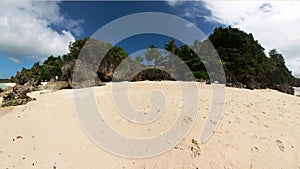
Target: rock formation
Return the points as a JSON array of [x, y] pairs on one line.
[[16, 95]]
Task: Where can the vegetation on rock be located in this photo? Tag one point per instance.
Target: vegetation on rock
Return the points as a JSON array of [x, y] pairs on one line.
[[16, 95], [245, 62], [243, 58]]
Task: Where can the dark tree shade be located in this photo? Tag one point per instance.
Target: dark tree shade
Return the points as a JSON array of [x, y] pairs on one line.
[[242, 57]]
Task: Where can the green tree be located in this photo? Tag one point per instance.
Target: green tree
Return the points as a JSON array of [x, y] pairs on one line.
[[153, 53], [280, 73], [75, 49], [51, 68], [139, 59], [172, 50], [149, 56]]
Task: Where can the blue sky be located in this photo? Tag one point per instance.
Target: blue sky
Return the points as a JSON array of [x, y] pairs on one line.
[[97, 14], [33, 30], [88, 17]]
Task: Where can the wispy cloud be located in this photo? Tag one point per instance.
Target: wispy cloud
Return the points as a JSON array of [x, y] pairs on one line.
[[26, 29], [14, 59], [275, 24], [188, 25], [189, 9], [174, 2]]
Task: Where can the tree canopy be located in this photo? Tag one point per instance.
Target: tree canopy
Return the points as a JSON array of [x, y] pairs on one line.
[[242, 57]]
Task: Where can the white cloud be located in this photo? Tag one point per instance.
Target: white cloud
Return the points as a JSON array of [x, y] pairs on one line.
[[275, 24], [174, 2], [188, 25], [26, 30], [14, 59]]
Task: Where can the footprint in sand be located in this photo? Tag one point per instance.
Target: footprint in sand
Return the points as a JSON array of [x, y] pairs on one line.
[[195, 149], [229, 146], [255, 149], [280, 145]]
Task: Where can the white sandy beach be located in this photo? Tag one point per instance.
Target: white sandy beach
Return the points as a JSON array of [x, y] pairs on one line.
[[4, 85], [258, 129], [297, 91]]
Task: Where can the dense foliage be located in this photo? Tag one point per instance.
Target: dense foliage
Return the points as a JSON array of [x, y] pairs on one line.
[[243, 59], [5, 80]]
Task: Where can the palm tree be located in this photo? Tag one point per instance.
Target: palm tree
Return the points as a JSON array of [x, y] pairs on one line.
[[139, 59], [153, 53], [148, 56], [172, 49]]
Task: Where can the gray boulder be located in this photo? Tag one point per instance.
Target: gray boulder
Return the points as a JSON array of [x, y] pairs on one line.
[[16, 95], [57, 85]]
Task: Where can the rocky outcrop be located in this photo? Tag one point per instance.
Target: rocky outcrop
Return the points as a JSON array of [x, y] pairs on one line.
[[57, 85], [285, 88], [153, 75], [67, 71], [85, 77], [16, 95], [254, 82], [23, 78], [248, 81], [105, 74], [232, 81]]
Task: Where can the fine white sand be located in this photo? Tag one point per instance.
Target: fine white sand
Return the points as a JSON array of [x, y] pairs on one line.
[[10, 84], [258, 129], [297, 91]]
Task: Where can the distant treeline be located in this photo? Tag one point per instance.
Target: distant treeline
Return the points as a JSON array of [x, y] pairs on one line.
[[243, 59], [6, 80], [297, 82]]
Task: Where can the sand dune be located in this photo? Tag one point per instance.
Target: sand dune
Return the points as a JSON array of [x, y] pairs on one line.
[[258, 129]]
